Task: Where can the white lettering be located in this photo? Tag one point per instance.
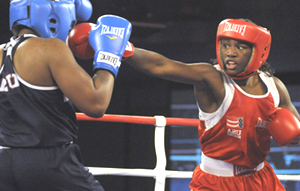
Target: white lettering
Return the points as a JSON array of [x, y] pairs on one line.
[[12, 81], [9, 82], [3, 87], [241, 170], [113, 30], [235, 133], [240, 29], [262, 124], [109, 58]]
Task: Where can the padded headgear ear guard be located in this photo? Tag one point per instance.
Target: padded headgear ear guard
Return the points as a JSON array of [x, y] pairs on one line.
[[84, 10], [49, 18], [258, 36]]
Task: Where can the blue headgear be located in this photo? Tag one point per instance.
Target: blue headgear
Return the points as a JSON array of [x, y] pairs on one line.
[[49, 18]]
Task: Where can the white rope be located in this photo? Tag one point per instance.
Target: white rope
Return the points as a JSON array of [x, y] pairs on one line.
[[139, 172], [289, 177]]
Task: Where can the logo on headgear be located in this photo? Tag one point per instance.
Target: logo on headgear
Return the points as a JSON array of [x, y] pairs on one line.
[[240, 29]]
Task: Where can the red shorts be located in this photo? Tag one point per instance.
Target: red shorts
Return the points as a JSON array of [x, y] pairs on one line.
[[262, 180]]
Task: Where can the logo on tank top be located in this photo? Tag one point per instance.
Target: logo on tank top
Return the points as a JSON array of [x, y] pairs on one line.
[[234, 126], [261, 124]]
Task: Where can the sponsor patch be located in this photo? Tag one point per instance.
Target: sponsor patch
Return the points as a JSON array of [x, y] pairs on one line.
[[241, 171], [234, 125], [237, 133], [109, 58], [234, 122]]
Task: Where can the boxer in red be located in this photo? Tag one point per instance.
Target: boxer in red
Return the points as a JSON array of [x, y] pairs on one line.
[[241, 105]]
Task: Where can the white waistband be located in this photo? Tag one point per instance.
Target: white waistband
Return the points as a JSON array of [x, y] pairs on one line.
[[222, 168]]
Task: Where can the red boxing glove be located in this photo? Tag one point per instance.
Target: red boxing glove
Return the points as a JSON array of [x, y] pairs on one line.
[[284, 126], [129, 50], [78, 41]]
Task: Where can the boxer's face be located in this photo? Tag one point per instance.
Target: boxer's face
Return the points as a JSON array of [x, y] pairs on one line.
[[235, 55]]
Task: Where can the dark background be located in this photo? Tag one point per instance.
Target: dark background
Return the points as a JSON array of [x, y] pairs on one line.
[[182, 30]]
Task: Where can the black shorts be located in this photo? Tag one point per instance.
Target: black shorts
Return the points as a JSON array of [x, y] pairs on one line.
[[45, 169]]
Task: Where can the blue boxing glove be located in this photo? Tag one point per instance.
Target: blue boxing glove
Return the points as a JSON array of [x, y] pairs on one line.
[[109, 38]]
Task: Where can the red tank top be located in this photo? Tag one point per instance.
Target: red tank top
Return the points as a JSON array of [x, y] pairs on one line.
[[237, 132]]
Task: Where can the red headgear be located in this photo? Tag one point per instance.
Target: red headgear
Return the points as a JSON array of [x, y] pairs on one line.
[[258, 36]]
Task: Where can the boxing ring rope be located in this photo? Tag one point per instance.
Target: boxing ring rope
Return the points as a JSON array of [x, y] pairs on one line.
[[159, 172]]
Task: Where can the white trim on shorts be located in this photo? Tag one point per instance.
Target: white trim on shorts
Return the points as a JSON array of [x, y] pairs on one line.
[[225, 169]]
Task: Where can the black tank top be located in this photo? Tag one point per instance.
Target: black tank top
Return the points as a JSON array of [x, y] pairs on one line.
[[32, 116]]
